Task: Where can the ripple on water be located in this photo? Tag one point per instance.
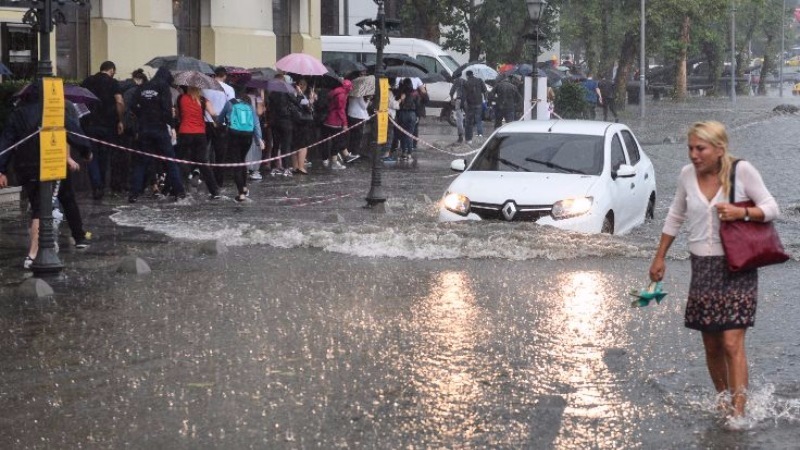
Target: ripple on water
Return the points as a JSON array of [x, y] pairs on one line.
[[418, 240]]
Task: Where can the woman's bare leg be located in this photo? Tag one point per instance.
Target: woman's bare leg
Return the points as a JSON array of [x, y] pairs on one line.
[[736, 360]]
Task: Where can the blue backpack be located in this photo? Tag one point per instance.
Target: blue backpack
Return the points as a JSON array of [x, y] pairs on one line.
[[241, 117]]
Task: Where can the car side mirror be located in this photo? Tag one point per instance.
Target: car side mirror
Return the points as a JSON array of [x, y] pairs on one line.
[[624, 171], [458, 165]]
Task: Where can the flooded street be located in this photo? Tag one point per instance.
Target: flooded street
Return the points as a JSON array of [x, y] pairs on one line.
[[369, 330]]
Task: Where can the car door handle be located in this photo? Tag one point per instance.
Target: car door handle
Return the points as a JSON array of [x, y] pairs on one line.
[[633, 185]]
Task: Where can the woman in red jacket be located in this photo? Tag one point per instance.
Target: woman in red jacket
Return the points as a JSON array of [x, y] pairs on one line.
[[336, 122]]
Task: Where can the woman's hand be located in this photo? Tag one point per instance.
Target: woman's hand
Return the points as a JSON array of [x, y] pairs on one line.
[[73, 165], [657, 269], [728, 212]]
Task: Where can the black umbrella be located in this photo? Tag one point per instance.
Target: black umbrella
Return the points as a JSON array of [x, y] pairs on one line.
[[344, 66], [263, 72], [179, 62], [328, 81], [394, 59], [405, 72]]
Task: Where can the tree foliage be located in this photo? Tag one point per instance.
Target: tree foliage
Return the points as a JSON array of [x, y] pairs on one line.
[[603, 35]]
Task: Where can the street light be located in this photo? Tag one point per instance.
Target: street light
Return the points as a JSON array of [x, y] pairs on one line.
[[536, 9], [379, 28], [42, 18]]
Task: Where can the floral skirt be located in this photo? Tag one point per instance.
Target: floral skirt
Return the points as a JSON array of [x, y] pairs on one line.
[[718, 298]]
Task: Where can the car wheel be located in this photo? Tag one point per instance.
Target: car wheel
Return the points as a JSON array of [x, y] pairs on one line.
[[650, 212], [608, 224]]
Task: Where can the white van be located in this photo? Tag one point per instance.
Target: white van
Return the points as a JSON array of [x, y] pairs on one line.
[[429, 55]]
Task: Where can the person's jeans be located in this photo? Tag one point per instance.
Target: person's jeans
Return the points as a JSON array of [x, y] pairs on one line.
[[159, 142], [503, 113], [99, 165], [474, 119], [407, 119], [459, 113]]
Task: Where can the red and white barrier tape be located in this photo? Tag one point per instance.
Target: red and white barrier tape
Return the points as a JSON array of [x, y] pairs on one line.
[[195, 163], [411, 135], [20, 142]]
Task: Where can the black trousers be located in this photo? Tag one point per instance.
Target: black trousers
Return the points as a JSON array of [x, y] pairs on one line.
[[608, 104], [218, 142], [238, 147], [194, 147]]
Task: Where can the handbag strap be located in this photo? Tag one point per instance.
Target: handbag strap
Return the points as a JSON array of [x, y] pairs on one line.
[[732, 190]]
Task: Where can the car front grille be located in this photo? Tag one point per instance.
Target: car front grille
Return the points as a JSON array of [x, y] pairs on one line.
[[522, 213]]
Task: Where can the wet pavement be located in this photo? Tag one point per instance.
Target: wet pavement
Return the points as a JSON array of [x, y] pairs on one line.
[[328, 325]]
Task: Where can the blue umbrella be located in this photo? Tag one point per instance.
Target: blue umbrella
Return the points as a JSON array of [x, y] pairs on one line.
[[5, 71]]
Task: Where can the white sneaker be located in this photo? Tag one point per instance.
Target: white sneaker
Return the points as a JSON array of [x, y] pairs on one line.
[[255, 175], [325, 163], [287, 172], [27, 263], [336, 165], [275, 172]]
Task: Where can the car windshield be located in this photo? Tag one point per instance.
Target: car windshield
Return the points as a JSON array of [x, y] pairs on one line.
[[542, 152]]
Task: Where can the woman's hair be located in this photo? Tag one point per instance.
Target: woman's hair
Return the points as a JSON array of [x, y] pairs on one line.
[[193, 92], [714, 133], [139, 74]]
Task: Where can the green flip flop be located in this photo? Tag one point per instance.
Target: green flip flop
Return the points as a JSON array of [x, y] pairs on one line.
[[643, 297]]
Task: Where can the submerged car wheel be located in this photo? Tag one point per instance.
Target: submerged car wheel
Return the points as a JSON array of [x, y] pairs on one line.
[[608, 224], [650, 212]]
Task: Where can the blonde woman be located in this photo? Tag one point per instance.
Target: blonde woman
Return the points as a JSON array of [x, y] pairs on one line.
[[721, 304]]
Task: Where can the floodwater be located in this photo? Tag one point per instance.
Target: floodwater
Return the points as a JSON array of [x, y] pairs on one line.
[[394, 331]]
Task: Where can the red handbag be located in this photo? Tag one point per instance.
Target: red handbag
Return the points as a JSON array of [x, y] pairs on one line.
[[749, 245]]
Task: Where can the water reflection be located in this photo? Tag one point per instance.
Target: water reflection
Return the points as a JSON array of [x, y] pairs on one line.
[[596, 408], [443, 368]]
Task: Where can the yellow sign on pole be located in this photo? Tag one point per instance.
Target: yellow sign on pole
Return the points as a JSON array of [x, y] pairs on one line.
[[53, 102], [384, 106], [53, 154], [383, 126], [383, 111]]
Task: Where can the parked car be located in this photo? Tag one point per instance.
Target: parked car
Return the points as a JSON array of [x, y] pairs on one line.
[[585, 176]]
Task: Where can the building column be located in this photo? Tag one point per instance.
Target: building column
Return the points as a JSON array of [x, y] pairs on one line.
[[130, 33], [306, 27], [238, 33]]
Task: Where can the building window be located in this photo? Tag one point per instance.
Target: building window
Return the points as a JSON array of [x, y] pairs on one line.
[[186, 18], [20, 49], [72, 43], [330, 17]]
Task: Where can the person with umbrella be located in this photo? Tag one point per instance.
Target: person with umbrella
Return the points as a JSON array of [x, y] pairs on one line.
[[105, 122], [218, 132], [153, 109], [335, 123], [25, 119], [192, 143]]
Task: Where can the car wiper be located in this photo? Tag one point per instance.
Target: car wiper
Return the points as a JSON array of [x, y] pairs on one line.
[[514, 165], [555, 166]]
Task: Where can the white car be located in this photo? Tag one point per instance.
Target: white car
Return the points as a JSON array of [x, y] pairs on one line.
[[578, 175]]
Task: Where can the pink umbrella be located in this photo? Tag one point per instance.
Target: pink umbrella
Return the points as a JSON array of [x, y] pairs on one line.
[[301, 64]]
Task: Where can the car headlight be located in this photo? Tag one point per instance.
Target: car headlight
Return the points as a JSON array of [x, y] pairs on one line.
[[571, 207], [457, 203]]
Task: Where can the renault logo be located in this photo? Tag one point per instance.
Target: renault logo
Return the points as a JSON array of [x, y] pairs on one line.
[[509, 210]]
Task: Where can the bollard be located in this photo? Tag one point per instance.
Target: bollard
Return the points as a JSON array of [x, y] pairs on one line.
[[213, 248], [34, 288], [133, 265]]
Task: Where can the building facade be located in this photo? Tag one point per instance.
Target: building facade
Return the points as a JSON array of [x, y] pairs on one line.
[[245, 33]]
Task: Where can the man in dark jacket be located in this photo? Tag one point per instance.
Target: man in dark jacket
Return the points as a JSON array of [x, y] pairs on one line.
[[103, 123], [24, 120], [474, 90], [507, 100], [607, 89], [153, 109]]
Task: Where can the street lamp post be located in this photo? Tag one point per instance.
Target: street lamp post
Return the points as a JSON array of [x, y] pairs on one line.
[[733, 52], [379, 39], [642, 64], [42, 18], [783, 48], [536, 9]]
